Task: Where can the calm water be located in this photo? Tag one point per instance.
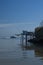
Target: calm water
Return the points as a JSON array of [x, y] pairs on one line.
[[11, 48]]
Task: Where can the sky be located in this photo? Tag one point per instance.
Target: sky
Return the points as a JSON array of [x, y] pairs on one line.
[[18, 15]]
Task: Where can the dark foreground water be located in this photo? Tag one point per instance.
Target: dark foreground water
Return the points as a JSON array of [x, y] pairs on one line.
[[12, 53]]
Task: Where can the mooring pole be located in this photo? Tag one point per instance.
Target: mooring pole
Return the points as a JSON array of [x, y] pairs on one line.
[[22, 39], [26, 39]]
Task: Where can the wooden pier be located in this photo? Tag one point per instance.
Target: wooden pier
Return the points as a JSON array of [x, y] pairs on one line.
[[24, 36]]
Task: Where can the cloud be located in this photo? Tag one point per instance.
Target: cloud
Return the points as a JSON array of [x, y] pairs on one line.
[[11, 29], [18, 27], [5, 25], [15, 24]]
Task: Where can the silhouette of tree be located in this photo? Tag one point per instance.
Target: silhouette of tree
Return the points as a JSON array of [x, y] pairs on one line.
[[41, 23]]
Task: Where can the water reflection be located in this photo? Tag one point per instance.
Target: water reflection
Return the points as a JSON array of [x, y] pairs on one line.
[[24, 54], [32, 51], [39, 52]]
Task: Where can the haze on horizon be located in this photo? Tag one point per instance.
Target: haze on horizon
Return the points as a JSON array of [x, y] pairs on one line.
[[18, 15]]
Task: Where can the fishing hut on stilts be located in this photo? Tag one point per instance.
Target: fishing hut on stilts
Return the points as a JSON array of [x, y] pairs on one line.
[[25, 36]]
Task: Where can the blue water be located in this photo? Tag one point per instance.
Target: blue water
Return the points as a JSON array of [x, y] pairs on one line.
[[11, 49]]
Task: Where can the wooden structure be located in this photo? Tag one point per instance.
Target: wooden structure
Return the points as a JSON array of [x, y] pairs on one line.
[[25, 34]]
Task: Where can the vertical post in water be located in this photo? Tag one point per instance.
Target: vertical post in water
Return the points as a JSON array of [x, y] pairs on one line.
[[22, 39], [26, 39]]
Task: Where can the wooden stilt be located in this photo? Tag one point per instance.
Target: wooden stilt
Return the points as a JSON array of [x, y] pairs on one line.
[[22, 40], [26, 40]]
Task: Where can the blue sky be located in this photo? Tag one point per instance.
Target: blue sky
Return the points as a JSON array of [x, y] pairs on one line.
[[20, 11], [12, 11]]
